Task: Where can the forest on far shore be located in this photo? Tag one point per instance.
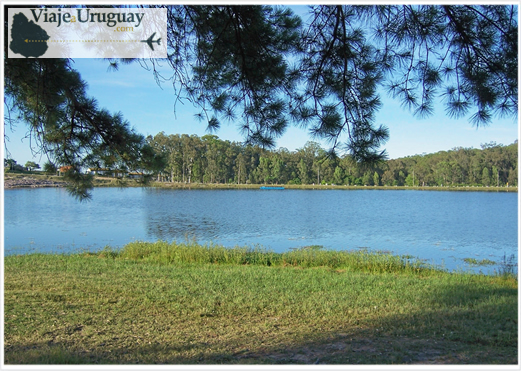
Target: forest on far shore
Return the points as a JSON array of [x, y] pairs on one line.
[[208, 159]]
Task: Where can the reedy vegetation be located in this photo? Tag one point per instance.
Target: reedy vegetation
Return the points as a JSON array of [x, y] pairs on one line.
[[185, 303], [313, 256], [307, 257]]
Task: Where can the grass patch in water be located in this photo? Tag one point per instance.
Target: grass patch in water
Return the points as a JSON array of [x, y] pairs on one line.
[[306, 257], [482, 262]]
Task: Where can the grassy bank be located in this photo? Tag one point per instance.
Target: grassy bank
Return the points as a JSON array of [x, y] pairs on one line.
[[185, 303], [112, 182], [329, 186]]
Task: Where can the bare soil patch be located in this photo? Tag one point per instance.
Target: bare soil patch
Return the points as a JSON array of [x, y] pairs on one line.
[[30, 182]]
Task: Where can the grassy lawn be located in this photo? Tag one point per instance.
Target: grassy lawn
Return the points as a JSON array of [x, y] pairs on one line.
[[188, 304]]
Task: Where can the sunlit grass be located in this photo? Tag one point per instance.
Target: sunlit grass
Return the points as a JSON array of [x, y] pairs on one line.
[[482, 262], [188, 303], [306, 257]]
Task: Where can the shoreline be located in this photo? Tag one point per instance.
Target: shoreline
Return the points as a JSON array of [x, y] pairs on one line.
[[14, 181], [328, 187], [183, 304], [30, 182]]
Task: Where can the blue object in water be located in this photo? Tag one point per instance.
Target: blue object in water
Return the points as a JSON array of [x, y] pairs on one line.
[[264, 187]]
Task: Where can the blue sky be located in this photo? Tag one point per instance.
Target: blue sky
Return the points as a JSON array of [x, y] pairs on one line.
[[133, 91]]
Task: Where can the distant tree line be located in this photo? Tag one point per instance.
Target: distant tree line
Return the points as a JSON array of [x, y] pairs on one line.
[[11, 165], [208, 159], [265, 69]]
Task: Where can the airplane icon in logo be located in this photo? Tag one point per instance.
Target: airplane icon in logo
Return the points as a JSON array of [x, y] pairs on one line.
[[149, 41]]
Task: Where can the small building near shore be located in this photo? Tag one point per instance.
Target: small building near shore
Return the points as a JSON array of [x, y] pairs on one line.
[[107, 172]]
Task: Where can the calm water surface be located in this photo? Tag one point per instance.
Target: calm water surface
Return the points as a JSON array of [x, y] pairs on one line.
[[441, 227]]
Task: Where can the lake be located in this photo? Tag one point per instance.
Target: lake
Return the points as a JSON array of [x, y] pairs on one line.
[[441, 227]]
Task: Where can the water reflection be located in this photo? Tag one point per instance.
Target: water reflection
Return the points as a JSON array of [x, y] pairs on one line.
[[442, 227], [174, 227]]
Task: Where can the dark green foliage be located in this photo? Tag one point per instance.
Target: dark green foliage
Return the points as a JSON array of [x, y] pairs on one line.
[[457, 167], [340, 72], [68, 126], [208, 159], [49, 168], [238, 58], [31, 165], [466, 53], [264, 68], [11, 165]]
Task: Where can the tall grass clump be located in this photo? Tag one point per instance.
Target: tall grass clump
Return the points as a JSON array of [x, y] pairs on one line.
[[508, 267], [307, 257], [192, 252], [359, 261]]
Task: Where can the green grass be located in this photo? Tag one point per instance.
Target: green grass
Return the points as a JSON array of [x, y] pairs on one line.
[[180, 185], [482, 262], [185, 303], [307, 257]]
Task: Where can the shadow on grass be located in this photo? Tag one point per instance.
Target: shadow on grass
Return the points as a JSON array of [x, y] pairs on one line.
[[463, 326]]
